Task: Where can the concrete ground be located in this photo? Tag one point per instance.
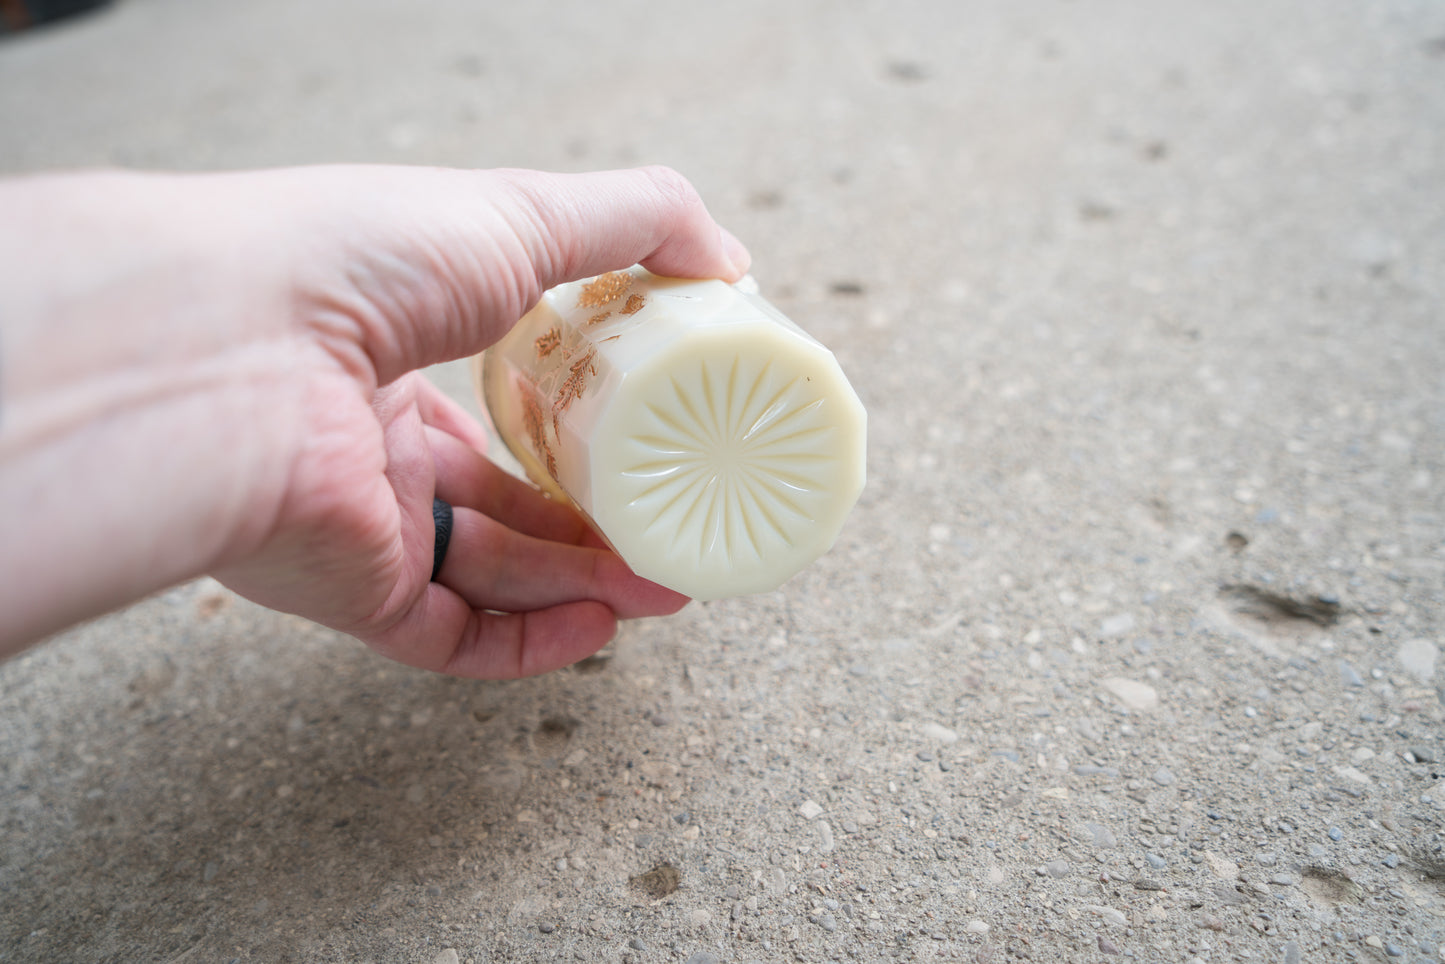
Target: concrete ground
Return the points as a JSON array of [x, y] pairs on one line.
[[1131, 649]]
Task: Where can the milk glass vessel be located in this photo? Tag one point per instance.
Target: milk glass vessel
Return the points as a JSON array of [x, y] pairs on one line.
[[715, 445]]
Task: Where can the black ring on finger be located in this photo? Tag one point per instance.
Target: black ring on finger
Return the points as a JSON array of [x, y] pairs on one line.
[[441, 514]]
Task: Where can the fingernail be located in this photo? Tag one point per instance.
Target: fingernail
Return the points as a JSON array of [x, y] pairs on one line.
[[736, 252]]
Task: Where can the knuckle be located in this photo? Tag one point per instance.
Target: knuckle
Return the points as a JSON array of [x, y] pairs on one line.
[[676, 190]]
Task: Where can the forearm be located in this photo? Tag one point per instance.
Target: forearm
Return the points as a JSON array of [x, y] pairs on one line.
[[126, 461], [146, 494]]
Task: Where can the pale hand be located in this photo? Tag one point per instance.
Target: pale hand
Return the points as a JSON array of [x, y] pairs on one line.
[[218, 374]]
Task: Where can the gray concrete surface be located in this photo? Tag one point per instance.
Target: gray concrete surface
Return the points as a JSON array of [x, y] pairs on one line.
[[1132, 648]]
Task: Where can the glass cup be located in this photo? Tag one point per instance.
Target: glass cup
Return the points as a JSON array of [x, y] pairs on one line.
[[709, 440]]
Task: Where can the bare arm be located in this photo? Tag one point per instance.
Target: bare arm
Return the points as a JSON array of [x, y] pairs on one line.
[[216, 373]]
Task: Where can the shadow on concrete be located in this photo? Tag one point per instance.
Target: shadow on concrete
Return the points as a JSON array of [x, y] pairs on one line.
[[295, 804]]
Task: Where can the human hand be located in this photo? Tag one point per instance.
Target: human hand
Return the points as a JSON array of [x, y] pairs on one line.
[[285, 315]]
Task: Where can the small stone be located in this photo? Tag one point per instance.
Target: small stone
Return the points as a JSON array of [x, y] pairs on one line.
[[660, 719], [1418, 656], [1353, 774], [1057, 868], [704, 957], [1336, 834], [976, 927], [1116, 625], [1394, 950], [1156, 861], [1133, 694], [1375, 942], [944, 766], [637, 944], [547, 927], [1391, 861], [1163, 776], [1107, 946], [1144, 883], [1101, 836], [810, 810], [936, 731], [1221, 867], [1349, 676], [828, 922], [1292, 953], [1108, 913], [447, 956], [1425, 754], [924, 756]]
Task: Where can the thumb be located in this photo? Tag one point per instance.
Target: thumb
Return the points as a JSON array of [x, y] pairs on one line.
[[436, 264], [584, 224]]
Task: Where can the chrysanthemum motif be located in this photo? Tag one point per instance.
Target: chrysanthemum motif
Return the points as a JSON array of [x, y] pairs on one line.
[[732, 460]]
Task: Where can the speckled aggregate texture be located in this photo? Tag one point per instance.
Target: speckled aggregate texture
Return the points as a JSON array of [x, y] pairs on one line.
[[1130, 650]]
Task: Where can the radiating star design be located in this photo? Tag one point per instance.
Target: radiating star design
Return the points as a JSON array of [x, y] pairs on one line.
[[728, 459]]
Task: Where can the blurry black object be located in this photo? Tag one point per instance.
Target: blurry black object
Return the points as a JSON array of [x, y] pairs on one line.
[[19, 14]]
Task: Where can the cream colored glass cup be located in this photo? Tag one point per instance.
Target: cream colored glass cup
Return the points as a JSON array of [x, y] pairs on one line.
[[708, 439]]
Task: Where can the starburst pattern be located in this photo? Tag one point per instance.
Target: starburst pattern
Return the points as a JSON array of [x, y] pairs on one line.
[[733, 460]]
